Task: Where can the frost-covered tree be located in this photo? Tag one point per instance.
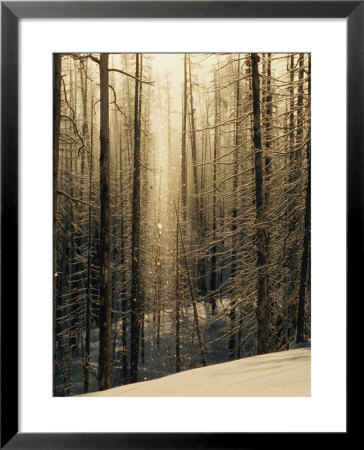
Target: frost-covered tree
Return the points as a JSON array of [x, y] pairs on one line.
[[182, 212]]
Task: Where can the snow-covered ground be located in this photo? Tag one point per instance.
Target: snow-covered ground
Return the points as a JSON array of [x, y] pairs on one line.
[[159, 357], [281, 374]]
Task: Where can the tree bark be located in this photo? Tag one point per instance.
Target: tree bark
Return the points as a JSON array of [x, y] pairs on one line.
[[105, 229], [194, 303], [177, 317], [57, 68], [268, 175], [184, 152], [135, 291], [214, 271], [305, 255], [307, 234], [89, 251], [193, 145], [232, 337], [262, 303], [197, 216]]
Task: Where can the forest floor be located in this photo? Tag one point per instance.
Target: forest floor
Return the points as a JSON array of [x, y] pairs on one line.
[[159, 359], [280, 374]]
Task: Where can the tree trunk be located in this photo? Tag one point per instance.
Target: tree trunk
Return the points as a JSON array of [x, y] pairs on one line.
[[197, 216], [194, 303], [184, 151], [105, 229], [89, 247], [307, 234], [124, 304], [193, 144], [214, 271], [177, 318], [57, 68], [268, 175], [135, 280], [232, 314], [305, 255], [262, 303]]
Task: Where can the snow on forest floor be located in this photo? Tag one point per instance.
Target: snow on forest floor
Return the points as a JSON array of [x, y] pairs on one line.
[[280, 374], [159, 359]]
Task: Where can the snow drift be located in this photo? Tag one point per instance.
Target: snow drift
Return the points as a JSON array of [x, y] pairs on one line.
[[280, 374]]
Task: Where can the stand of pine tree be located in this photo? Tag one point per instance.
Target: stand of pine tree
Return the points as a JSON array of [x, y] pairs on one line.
[[181, 212]]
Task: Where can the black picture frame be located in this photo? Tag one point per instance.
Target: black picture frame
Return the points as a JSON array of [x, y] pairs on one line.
[[11, 12]]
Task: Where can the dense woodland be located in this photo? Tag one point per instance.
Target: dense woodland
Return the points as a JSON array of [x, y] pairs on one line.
[[181, 212]]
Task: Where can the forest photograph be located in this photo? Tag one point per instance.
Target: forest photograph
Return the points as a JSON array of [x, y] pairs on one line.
[[181, 224]]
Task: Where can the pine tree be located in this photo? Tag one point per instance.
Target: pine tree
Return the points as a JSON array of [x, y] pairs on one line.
[[105, 230]]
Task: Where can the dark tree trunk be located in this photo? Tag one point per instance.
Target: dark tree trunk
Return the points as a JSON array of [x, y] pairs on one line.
[[135, 290], [295, 175], [57, 68], [84, 320], [305, 256], [300, 109], [193, 141], [177, 293], [74, 260], [262, 303], [184, 152], [201, 280], [194, 303], [214, 270], [89, 248], [232, 337], [181, 227], [307, 235], [105, 229], [124, 303], [268, 175], [158, 269], [291, 107]]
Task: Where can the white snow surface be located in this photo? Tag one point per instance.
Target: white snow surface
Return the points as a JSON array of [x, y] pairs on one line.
[[280, 374]]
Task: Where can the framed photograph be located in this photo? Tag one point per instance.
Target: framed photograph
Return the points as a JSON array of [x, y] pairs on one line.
[[181, 189]]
